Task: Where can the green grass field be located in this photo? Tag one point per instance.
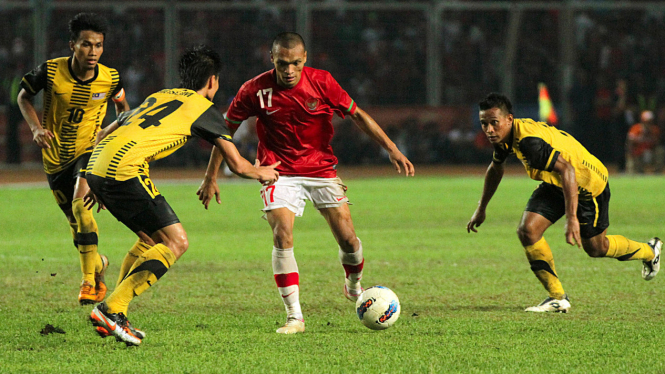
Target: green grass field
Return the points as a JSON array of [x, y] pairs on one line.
[[462, 294]]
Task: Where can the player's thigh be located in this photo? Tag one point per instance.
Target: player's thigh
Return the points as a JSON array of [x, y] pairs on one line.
[[545, 206], [341, 224], [63, 183], [594, 217], [594, 214], [287, 193], [329, 196], [325, 192], [281, 222], [81, 185], [134, 202]]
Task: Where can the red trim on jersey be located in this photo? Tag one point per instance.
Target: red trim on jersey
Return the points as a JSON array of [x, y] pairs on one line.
[[353, 269], [286, 280]]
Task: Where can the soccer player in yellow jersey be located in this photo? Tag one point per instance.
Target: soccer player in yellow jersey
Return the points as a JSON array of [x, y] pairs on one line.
[[574, 183], [76, 92], [118, 177]]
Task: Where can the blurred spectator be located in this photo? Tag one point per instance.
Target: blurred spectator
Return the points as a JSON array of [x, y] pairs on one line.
[[380, 56], [623, 117], [11, 85], [644, 149]]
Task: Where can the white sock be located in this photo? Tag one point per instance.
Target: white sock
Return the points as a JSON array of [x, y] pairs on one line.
[[353, 264], [285, 270]]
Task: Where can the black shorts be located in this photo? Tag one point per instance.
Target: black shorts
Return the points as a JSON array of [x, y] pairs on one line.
[[134, 202], [63, 183], [593, 214]]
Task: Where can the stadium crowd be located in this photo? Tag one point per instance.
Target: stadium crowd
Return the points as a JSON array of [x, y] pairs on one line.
[[380, 58]]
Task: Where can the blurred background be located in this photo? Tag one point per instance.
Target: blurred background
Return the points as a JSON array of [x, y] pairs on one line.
[[418, 67]]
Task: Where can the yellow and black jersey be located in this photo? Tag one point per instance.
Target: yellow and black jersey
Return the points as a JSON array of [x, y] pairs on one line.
[[538, 145], [154, 130], [73, 109]]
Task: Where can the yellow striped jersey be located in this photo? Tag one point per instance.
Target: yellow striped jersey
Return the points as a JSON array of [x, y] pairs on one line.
[[154, 130], [73, 109], [538, 145]]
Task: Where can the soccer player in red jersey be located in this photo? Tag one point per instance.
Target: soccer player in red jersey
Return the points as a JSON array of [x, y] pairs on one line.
[[294, 106]]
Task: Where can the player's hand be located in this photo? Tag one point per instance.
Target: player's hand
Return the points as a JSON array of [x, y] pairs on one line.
[[267, 174], [400, 162], [476, 220], [573, 232], [90, 199], [42, 137], [207, 189]]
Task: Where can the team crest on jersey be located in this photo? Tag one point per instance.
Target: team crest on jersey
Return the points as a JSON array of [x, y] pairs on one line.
[[312, 103], [98, 96]]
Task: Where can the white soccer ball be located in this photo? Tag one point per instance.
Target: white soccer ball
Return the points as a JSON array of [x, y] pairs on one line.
[[378, 308]]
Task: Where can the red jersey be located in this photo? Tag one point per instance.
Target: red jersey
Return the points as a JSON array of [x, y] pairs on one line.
[[294, 125]]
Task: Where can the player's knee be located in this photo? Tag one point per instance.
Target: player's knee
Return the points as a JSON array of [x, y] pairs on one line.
[[594, 249], [83, 216], [178, 245], [527, 236]]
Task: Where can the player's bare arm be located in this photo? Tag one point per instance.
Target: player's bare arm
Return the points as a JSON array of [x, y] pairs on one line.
[[569, 183], [367, 124], [209, 187], [103, 133], [238, 165], [493, 178], [40, 135], [121, 106]]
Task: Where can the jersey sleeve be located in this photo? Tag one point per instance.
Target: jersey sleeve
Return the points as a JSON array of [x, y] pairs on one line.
[[338, 98], [538, 153], [240, 109], [118, 93], [211, 125], [35, 81], [500, 154]]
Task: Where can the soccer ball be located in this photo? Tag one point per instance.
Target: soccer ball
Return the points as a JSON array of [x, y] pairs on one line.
[[378, 308]]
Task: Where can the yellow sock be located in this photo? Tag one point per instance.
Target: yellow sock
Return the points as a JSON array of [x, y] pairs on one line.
[[542, 264], [87, 239], [137, 250], [74, 228], [147, 270], [624, 249]]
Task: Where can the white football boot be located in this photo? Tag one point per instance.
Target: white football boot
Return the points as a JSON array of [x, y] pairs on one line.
[[551, 305], [293, 326], [650, 268], [352, 295]]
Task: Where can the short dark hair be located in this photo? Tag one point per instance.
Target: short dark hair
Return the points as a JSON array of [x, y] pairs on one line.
[[288, 40], [496, 100], [86, 21], [197, 65]]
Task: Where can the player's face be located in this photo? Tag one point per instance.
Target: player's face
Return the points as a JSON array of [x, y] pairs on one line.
[[87, 49], [496, 125], [289, 63]]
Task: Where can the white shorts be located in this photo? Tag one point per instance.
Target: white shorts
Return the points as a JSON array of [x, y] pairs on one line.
[[291, 193]]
